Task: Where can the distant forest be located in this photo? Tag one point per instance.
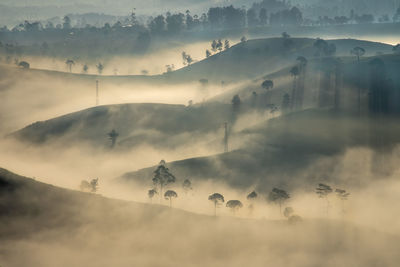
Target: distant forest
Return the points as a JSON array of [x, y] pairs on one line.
[[134, 34]]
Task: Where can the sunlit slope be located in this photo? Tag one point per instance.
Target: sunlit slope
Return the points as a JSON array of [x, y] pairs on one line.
[[253, 58], [51, 226], [136, 124]]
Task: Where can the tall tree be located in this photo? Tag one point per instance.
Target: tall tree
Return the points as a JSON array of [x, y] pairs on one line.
[[278, 196], [323, 191], [358, 52], [113, 135], [217, 200], [187, 186], [162, 177], [70, 63], [343, 195], [100, 68], [294, 71]]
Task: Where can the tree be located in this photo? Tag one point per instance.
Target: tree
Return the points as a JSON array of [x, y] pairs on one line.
[[151, 193], [243, 39], [24, 65], [162, 176], [85, 68], [358, 52], [187, 186], [285, 35], [285, 102], [252, 196], [100, 68], [169, 195], [187, 59], [321, 46], [342, 195], [175, 22], [208, 53], [157, 25], [226, 45], [267, 84], [113, 135], [70, 63], [66, 23], [294, 71], [278, 196], [236, 103], [234, 205], [91, 186], [219, 45], [217, 199], [214, 46], [323, 191], [252, 20]]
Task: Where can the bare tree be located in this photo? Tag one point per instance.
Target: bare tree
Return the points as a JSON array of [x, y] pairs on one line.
[[217, 199], [169, 195]]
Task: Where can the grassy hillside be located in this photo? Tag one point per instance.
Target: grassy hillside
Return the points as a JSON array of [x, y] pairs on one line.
[[257, 57], [52, 226], [295, 151], [157, 124]]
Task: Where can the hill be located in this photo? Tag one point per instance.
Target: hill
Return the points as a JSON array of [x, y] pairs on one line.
[[52, 226]]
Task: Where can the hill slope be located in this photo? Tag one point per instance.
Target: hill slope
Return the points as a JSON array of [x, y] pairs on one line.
[[51, 226]]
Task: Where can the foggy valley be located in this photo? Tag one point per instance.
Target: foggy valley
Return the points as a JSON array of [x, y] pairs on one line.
[[224, 133]]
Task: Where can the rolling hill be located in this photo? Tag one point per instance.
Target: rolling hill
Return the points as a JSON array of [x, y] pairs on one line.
[[52, 226]]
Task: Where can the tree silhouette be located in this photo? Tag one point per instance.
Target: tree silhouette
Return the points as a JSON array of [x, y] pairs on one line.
[[217, 199], [219, 45], [187, 186], [162, 176], [169, 195], [70, 63], [113, 135], [100, 68], [285, 35], [294, 71], [24, 65], [243, 39], [187, 59], [267, 84], [214, 46], [236, 103], [358, 52], [285, 102], [323, 191], [151, 193], [208, 53], [342, 195], [91, 186], [251, 197], [85, 68], [234, 205], [226, 45], [278, 196]]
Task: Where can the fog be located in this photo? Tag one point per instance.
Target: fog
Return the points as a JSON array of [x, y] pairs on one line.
[[332, 121]]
